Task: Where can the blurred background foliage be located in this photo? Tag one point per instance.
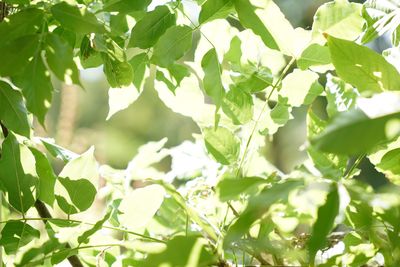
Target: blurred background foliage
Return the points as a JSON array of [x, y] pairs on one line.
[[78, 117]]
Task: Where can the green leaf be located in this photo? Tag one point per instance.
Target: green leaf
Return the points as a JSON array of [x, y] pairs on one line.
[[26, 22], [222, 144], [301, 87], [17, 234], [84, 166], [314, 56], [148, 30], [212, 77], [390, 162], [81, 194], [77, 19], [84, 238], [330, 165], [238, 105], [16, 54], [13, 177], [182, 251], [215, 9], [58, 151], [121, 98], [126, 6], [381, 17], [119, 74], [265, 19], [230, 189], [340, 96], [281, 113], [324, 224], [254, 79], [139, 206], [59, 56], [13, 112], [257, 207], [36, 87], [362, 67], [47, 178], [338, 18], [173, 45], [139, 65], [359, 130]]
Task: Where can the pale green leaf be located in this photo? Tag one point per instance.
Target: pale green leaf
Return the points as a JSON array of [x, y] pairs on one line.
[[362, 67], [182, 251], [139, 206], [84, 166], [314, 56], [338, 18], [121, 98], [265, 19], [222, 144], [231, 189], [238, 105], [300, 87]]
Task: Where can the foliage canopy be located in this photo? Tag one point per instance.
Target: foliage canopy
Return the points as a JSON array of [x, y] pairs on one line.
[[238, 69]]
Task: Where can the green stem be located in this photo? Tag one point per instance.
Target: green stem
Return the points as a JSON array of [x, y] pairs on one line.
[[276, 85], [86, 223]]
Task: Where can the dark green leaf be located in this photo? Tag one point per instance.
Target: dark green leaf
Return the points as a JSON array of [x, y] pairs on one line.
[[148, 30], [36, 87], [59, 56], [77, 19], [173, 45], [212, 77], [362, 67], [58, 151], [17, 183], [126, 6], [324, 224], [353, 132], [47, 178], [17, 234], [13, 112], [81, 193], [16, 53], [222, 144], [26, 22], [215, 9]]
